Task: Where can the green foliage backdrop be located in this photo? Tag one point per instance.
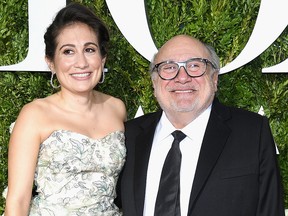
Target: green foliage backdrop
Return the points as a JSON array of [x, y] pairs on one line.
[[226, 25]]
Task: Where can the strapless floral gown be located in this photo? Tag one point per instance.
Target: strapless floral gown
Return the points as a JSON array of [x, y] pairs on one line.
[[77, 175]]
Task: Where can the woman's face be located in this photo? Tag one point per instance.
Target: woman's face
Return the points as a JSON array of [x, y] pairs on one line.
[[78, 63]]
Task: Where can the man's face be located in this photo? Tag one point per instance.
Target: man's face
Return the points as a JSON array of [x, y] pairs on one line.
[[184, 93]]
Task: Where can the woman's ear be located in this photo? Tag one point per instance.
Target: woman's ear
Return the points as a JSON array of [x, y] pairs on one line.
[[103, 61], [50, 64]]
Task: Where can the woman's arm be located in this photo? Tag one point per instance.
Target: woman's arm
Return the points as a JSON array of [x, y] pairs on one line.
[[22, 158]]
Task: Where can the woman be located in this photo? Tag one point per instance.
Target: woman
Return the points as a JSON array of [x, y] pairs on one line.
[[71, 144]]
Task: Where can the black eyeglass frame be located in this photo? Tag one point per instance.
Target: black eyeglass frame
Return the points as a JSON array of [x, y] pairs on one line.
[[183, 64]]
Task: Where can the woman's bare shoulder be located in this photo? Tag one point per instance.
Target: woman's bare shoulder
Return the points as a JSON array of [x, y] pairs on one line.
[[35, 112], [116, 105], [37, 105]]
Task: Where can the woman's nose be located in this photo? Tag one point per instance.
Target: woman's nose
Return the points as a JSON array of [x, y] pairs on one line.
[[81, 61]]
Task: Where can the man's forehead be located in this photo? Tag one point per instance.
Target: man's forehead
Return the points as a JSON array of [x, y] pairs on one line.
[[179, 54]]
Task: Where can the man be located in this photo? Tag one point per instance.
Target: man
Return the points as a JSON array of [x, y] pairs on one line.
[[228, 159]]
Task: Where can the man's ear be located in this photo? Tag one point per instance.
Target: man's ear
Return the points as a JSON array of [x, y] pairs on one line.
[[154, 80], [215, 80]]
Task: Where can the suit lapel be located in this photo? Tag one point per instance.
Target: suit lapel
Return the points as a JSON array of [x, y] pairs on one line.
[[142, 152], [215, 138]]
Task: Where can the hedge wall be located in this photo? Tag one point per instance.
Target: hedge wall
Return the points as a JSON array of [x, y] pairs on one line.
[[226, 25]]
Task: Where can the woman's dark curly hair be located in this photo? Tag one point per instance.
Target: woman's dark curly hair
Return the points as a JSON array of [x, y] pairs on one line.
[[75, 13]]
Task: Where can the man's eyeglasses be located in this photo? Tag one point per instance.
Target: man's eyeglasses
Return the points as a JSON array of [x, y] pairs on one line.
[[194, 67]]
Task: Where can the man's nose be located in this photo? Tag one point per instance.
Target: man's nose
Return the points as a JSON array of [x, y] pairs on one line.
[[182, 74]]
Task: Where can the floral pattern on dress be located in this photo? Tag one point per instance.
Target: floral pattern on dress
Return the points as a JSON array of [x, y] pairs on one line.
[[77, 175]]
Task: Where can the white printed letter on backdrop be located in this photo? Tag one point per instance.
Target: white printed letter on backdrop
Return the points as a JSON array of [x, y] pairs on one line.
[[40, 15]]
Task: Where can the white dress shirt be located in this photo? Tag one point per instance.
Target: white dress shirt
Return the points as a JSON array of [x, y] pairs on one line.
[[190, 148]]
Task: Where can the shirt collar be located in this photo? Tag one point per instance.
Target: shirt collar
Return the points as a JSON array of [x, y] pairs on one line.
[[196, 127]]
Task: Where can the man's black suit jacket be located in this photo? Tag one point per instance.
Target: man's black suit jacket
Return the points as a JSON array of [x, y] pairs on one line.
[[236, 175]]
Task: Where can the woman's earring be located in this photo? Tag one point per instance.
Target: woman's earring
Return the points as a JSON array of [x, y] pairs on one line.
[[52, 83], [105, 70]]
